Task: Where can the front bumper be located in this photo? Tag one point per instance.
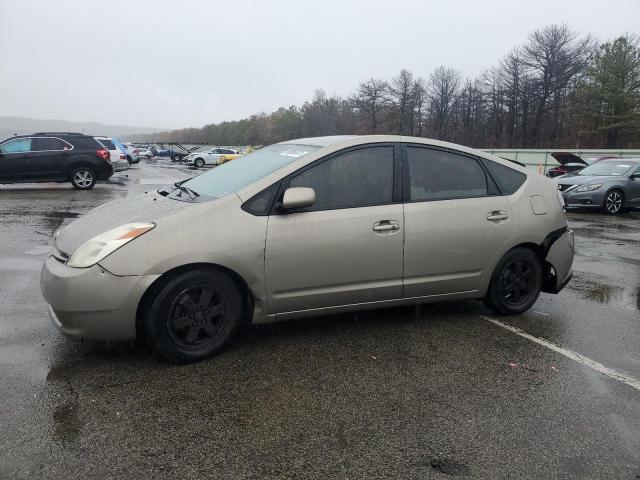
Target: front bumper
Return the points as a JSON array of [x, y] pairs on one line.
[[593, 199], [560, 257], [91, 303]]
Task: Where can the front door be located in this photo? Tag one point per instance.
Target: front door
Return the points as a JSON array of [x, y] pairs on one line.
[[348, 247], [633, 189], [455, 222], [15, 160]]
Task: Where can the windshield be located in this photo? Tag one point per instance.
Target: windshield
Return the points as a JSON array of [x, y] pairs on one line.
[[610, 168], [237, 174]]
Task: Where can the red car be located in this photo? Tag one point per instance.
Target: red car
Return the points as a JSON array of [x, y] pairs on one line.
[[571, 163]]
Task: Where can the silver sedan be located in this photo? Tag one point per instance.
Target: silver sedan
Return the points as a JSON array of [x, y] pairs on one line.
[[611, 185], [306, 227]]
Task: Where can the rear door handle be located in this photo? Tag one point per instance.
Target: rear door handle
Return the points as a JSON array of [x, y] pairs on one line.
[[497, 215], [386, 226]]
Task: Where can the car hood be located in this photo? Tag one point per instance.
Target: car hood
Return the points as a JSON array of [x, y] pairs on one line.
[[148, 207], [566, 157], [583, 179]]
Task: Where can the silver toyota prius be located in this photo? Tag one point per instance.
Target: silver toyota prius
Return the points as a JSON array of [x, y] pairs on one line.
[[305, 227]]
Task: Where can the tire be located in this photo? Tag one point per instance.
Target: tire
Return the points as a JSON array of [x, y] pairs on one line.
[[83, 178], [613, 202], [516, 282], [193, 316], [198, 163]]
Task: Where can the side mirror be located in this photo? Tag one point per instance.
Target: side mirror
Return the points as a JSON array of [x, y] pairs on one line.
[[298, 197], [635, 175]]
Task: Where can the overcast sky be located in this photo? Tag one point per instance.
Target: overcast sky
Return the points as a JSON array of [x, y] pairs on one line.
[[179, 63]]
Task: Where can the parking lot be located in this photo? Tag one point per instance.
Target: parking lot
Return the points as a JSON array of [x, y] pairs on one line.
[[420, 392]]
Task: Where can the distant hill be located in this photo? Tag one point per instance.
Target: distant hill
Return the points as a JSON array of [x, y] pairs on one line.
[[22, 125]]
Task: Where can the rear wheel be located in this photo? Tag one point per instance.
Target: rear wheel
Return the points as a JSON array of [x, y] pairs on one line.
[[516, 282], [199, 162], [83, 178], [194, 315], [613, 202]]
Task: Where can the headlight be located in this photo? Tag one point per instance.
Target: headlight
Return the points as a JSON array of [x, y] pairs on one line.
[[588, 188], [94, 250]]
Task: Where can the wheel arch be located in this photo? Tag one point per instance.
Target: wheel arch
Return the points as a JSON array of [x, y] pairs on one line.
[[541, 251], [158, 283]]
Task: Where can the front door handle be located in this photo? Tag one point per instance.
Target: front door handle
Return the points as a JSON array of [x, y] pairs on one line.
[[386, 226], [497, 215]]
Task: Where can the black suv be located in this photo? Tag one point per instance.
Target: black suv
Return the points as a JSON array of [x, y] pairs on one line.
[[54, 157]]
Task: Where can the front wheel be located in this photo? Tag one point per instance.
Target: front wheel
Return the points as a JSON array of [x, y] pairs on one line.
[[193, 316], [613, 202], [516, 282], [199, 162], [83, 178]]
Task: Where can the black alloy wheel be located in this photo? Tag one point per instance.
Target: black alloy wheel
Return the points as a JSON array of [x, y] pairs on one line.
[[516, 282], [193, 315]]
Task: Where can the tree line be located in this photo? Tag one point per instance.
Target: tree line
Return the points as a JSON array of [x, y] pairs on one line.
[[558, 89]]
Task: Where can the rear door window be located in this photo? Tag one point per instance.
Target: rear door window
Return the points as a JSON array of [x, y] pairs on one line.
[[440, 175], [44, 144], [19, 145]]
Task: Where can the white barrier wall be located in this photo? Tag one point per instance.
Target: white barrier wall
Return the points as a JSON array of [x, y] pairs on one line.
[[541, 160]]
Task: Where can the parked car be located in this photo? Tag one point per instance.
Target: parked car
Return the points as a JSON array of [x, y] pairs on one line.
[[145, 153], [177, 156], [132, 154], [216, 156], [304, 227], [54, 157], [571, 163], [611, 185], [117, 154]]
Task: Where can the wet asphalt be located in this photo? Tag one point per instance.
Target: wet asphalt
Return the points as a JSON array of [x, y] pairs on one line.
[[435, 391]]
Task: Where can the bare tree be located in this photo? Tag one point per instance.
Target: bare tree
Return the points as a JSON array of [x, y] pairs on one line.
[[555, 55], [369, 101], [400, 95], [443, 93]]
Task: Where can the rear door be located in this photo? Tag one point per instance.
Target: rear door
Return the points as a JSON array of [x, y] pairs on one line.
[[455, 221], [48, 157], [633, 189], [347, 248], [15, 160]]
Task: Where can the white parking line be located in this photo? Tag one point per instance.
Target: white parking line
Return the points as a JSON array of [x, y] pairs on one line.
[[609, 372]]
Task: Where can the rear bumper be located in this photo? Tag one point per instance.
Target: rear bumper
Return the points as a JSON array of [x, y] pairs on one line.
[[560, 258], [91, 303]]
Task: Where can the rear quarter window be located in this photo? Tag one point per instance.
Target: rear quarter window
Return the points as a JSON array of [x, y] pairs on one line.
[[508, 179]]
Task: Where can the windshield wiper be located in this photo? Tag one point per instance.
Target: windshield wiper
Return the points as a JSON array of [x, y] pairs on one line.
[[192, 193]]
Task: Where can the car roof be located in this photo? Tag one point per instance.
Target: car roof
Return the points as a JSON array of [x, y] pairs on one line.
[[321, 141]]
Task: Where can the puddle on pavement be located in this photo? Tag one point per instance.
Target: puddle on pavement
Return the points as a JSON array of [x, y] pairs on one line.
[[449, 467], [66, 421], [624, 297]]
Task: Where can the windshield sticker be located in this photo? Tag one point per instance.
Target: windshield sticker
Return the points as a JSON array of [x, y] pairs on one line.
[[294, 153]]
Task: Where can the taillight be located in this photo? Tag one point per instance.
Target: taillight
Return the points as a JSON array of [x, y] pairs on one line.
[[136, 151], [103, 154], [123, 156]]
